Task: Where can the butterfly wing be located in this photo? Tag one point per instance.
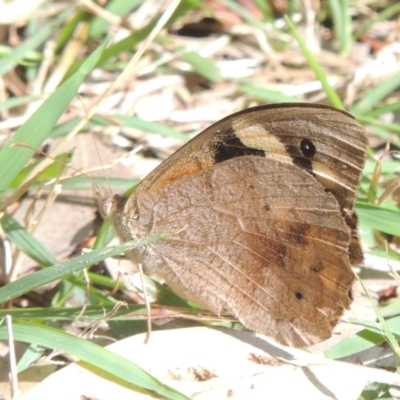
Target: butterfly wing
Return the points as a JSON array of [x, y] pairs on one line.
[[259, 238], [325, 142]]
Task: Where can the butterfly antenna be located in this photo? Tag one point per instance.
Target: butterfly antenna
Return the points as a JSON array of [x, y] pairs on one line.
[[97, 185]]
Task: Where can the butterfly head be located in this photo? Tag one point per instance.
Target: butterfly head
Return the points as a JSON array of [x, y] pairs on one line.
[[107, 202]]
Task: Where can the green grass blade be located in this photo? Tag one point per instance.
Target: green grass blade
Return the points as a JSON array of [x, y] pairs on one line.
[[16, 56], [268, 95], [202, 66], [127, 44], [385, 15], [379, 218], [18, 101], [118, 185], [58, 271], [391, 309], [384, 108], [96, 295], [247, 16], [265, 8], [41, 123], [391, 168], [381, 128], [91, 313], [373, 335], [65, 128], [130, 312], [149, 126], [342, 24], [121, 8], [354, 344], [376, 94], [333, 97], [92, 356], [386, 330], [32, 354], [53, 171], [26, 242]]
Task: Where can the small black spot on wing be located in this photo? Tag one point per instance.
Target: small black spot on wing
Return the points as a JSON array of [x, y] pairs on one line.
[[299, 295], [318, 267]]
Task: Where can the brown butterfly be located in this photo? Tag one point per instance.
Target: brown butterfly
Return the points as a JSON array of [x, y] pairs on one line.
[[260, 211]]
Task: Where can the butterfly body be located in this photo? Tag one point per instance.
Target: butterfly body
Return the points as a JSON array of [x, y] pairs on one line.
[[259, 208]]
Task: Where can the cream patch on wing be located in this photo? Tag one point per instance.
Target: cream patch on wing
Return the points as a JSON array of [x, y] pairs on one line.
[[256, 136], [327, 177]]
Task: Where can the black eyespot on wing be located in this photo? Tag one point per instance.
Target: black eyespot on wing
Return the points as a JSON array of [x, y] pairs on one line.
[[302, 154], [230, 146], [307, 148]]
